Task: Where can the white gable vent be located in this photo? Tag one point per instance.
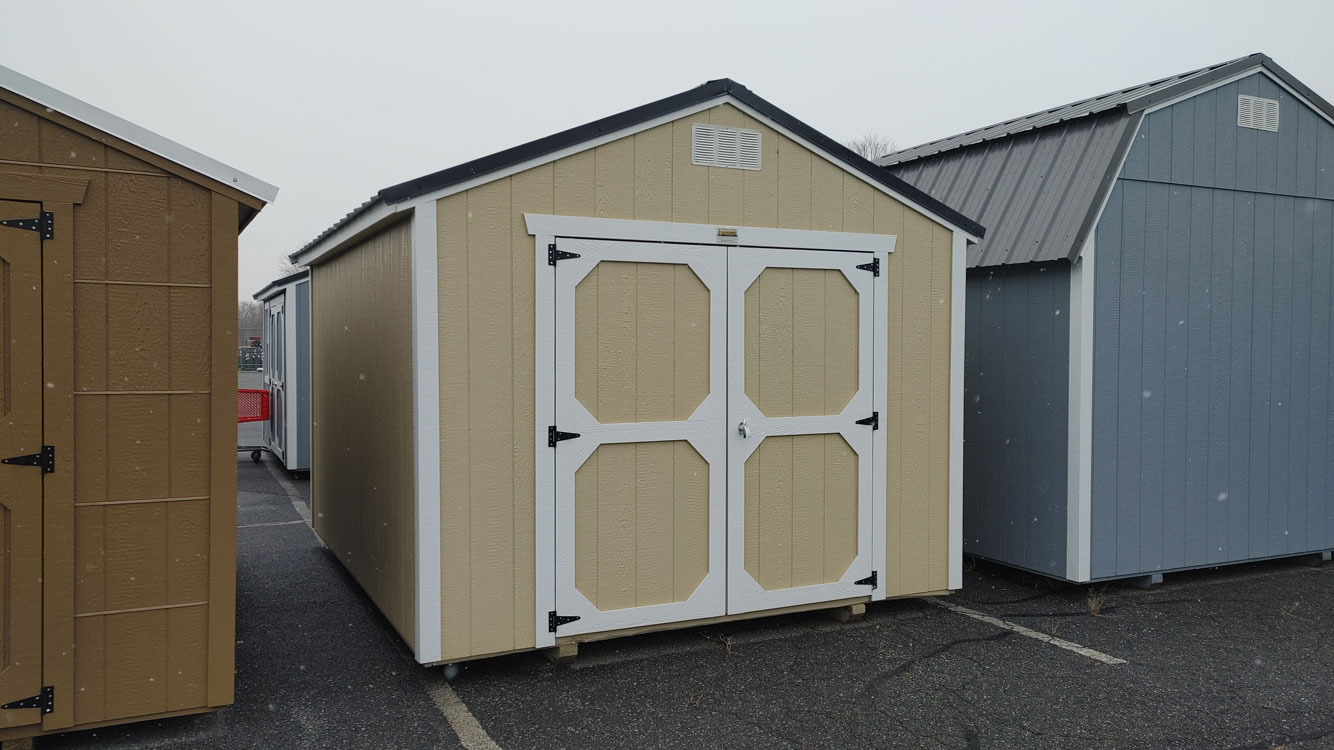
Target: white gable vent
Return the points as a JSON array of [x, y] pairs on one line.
[[1254, 112], [720, 146]]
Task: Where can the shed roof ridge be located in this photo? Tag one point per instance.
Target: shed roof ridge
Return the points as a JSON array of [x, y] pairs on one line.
[[1049, 117]]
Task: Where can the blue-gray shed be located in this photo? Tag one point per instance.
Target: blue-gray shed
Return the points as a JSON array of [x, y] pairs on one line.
[[1148, 344]]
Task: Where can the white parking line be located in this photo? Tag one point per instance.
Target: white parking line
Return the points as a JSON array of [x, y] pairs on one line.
[[291, 491], [1021, 630], [268, 523], [461, 720]]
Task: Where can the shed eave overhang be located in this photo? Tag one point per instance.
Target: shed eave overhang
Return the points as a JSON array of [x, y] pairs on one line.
[[59, 101]]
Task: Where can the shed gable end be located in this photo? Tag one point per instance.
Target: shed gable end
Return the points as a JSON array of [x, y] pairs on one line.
[[1198, 142]]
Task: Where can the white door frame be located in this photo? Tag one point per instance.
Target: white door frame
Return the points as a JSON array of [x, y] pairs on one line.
[[704, 430], [275, 372], [546, 231], [744, 593]]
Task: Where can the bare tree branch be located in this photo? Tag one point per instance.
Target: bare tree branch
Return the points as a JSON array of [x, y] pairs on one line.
[[286, 267], [871, 145]]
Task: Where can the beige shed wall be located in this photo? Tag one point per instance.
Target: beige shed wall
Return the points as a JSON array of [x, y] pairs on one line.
[[487, 349], [361, 468]]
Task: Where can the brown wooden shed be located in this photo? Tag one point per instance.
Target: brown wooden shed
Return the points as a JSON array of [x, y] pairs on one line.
[[117, 417]]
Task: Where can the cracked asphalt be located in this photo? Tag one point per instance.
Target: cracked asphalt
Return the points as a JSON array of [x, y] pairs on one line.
[[1238, 657]]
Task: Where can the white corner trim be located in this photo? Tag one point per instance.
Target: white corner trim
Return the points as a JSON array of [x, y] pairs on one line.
[[544, 408], [1079, 427], [127, 131], [426, 429], [705, 234], [1258, 68], [958, 292], [879, 438]]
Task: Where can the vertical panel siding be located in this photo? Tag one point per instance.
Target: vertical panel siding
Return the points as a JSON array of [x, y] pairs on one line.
[[641, 524], [1212, 347], [801, 356], [144, 356], [1015, 392], [641, 510], [362, 354], [624, 314], [487, 507]]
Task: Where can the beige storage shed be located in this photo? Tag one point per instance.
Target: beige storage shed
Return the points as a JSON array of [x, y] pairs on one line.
[[117, 417], [691, 362]]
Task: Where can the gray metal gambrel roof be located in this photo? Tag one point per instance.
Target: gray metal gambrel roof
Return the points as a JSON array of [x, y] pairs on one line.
[[1036, 182], [1034, 191]]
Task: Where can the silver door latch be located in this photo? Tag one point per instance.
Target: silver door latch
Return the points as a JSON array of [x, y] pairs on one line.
[[743, 429]]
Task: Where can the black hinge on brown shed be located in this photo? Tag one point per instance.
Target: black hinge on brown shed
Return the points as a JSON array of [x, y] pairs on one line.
[[873, 267], [554, 620], [46, 460], [45, 701], [554, 255], [45, 223], [873, 420], [871, 580]]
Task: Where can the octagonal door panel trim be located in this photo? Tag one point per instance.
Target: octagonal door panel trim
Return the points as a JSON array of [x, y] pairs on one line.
[[625, 312], [811, 509]]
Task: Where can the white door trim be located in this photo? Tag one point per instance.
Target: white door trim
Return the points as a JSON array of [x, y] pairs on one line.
[[545, 230], [706, 234], [744, 593], [704, 430]]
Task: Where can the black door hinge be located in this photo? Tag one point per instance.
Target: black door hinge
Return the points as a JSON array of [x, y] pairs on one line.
[[45, 224], [554, 255], [46, 459], [870, 580], [554, 620], [45, 701], [555, 436], [873, 267], [873, 420]]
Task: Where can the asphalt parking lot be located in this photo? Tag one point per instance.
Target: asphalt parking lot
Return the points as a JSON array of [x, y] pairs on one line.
[[1240, 657]]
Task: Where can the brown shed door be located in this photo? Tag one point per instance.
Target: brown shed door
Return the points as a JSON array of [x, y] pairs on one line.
[[20, 485]]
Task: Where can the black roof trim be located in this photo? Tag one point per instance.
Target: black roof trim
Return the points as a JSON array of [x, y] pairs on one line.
[[288, 279], [1246, 63], [631, 117]]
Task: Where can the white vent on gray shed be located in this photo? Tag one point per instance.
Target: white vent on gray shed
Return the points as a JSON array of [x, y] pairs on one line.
[[721, 146], [1254, 112]]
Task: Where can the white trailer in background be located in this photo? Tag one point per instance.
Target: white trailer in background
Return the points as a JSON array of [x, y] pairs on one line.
[[287, 368]]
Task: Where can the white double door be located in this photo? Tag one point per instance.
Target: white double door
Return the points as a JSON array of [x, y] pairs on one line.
[[713, 434]]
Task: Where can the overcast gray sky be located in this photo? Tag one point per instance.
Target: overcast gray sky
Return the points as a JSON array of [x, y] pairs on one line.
[[333, 100]]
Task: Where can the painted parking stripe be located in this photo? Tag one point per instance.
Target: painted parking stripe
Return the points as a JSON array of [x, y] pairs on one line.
[[268, 523], [290, 489], [461, 720], [1021, 630]]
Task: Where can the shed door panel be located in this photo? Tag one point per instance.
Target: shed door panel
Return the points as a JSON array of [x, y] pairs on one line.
[[640, 368], [275, 375], [20, 486], [799, 494]]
